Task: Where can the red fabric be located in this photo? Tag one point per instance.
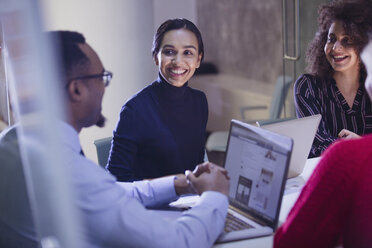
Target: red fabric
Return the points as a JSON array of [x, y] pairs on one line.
[[335, 206]]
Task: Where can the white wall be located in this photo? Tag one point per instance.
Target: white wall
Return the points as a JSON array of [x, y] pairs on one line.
[[121, 32], [169, 9]]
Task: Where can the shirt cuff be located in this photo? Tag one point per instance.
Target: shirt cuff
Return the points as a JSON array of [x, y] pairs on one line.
[[164, 188], [214, 198]]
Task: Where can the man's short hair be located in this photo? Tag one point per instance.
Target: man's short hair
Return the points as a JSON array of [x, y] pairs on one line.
[[71, 54]]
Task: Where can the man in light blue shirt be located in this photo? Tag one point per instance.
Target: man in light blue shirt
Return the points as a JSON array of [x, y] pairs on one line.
[[115, 214]]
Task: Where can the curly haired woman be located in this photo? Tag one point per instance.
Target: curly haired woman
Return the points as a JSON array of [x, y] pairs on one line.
[[334, 86], [334, 207]]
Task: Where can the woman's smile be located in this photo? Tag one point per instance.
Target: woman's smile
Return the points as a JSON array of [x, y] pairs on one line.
[[178, 56]]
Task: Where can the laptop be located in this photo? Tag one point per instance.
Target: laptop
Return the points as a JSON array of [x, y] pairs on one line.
[[257, 162], [302, 131]]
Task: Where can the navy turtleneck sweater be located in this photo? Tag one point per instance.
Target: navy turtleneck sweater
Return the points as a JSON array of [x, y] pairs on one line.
[[161, 131]]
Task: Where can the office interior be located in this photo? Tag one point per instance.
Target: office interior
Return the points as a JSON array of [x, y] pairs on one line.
[[251, 49], [244, 41]]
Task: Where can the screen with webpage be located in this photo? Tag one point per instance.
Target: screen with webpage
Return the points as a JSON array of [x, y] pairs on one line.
[[256, 167]]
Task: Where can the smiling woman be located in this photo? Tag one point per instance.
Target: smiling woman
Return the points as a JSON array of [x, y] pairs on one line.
[[178, 56], [334, 88], [161, 129], [337, 198]]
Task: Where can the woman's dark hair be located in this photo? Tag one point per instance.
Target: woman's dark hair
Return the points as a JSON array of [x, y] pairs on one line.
[[355, 16], [174, 24]]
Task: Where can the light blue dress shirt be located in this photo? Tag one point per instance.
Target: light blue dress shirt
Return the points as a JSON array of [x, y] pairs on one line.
[[115, 215]]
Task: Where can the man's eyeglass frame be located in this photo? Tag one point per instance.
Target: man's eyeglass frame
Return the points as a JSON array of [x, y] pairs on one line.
[[106, 77]]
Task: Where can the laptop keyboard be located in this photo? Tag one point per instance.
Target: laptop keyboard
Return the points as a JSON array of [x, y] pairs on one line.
[[234, 224]]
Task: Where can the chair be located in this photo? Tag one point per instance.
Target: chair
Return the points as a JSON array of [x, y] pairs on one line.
[[277, 102], [217, 141], [103, 147], [216, 147]]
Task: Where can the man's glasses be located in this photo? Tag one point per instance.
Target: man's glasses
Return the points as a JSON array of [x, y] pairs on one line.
[[106, 77]]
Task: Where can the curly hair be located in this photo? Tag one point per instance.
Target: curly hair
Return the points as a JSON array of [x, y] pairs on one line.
[[355, 16]]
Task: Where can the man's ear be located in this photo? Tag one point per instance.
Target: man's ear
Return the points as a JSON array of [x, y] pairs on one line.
[[156, 60], [75, 90]]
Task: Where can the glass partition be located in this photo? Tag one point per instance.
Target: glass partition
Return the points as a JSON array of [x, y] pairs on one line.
[[36, 191], [299, 27]]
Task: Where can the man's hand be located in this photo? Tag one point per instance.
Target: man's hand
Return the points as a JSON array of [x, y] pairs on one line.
[[209, 177], [182, 186], [205, 167], [346, 134]]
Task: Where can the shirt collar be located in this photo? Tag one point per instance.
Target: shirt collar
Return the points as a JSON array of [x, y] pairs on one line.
[[69, 136], [340, 98]]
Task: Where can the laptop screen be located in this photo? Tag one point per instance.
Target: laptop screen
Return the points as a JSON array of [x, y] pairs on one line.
[[257, 162], [302, 131]]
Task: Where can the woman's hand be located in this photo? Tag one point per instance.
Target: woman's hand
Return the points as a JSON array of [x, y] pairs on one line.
[[346, 134]]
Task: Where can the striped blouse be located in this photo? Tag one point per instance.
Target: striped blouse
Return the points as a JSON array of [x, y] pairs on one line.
[[314, 95]]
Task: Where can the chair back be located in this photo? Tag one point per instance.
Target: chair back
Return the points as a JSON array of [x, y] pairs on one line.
[[280, 93], [103, 147], [217, 141]]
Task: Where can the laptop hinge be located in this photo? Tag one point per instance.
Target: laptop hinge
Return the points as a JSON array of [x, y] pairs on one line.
[[248, 216]]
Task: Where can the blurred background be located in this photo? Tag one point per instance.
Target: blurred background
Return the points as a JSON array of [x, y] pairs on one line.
[[254, 51], [249, 46]]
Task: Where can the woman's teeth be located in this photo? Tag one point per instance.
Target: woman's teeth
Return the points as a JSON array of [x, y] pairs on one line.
[[178, 71], [339, 57]]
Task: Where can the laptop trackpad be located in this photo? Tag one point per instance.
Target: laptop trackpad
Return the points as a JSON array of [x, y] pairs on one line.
[[245, 234]]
